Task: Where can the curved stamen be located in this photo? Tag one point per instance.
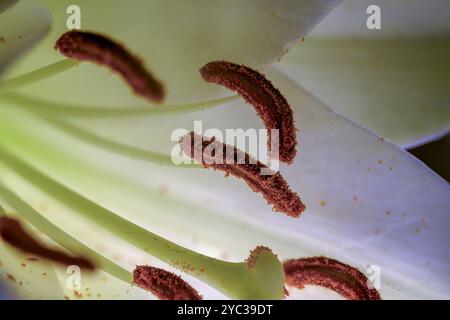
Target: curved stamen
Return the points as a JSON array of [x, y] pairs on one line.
[[270, 105], [12, 232], [163, 284], [332, 274], [87, 46], [272, 186]]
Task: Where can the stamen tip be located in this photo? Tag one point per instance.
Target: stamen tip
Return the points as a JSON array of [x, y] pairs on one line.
[[99, 49], [268, 102], [255, 254], [211, 153], [164, 284], [331, 274]]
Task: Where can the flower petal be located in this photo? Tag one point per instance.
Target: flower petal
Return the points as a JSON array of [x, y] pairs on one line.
[[398, 88], [394, 80], [21, 27], [175, 38], [400, 18]]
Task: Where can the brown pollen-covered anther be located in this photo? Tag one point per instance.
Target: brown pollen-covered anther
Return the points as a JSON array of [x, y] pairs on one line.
[[88, 46], [163, 284], [270, 105], [12, 232], [332, 274], [273, 187]]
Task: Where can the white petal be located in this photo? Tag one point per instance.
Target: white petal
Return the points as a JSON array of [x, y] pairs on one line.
[[175, 39], [400, 18], [21, 27], [396, 87]]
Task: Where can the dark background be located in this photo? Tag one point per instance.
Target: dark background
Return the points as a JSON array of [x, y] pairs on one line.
[[436, 155]]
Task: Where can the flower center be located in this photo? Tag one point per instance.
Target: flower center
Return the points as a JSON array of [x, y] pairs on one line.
[[12, 232], [332, 274]]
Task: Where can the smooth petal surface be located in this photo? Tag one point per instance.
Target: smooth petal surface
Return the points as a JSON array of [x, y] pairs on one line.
[[399, 19], [395, 80], [21, 27], [175, 39], [398, 88], [369, 203]]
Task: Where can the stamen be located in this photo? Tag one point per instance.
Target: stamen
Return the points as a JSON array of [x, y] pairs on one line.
[[86, 46], [270, 105], [163, 284], [12, 232], [332, 274], [273, 187]]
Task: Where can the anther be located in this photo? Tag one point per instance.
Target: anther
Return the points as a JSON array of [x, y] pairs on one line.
[[273, 187], [332, 274], [163, 284], [270, 105], [87, 46], [12, 232]]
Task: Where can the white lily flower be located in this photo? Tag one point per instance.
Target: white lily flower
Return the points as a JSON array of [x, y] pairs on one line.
[[81, 172]]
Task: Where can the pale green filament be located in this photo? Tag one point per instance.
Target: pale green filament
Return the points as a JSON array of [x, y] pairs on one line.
[[37, 75], [133, 152], [265, 280], [60, 237], [108, 112]]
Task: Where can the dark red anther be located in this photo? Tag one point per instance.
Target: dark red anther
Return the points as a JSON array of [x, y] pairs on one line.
[[163, 284], [273, 187], [12, 232], [87, 46], [332, 274], [270, 105]]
